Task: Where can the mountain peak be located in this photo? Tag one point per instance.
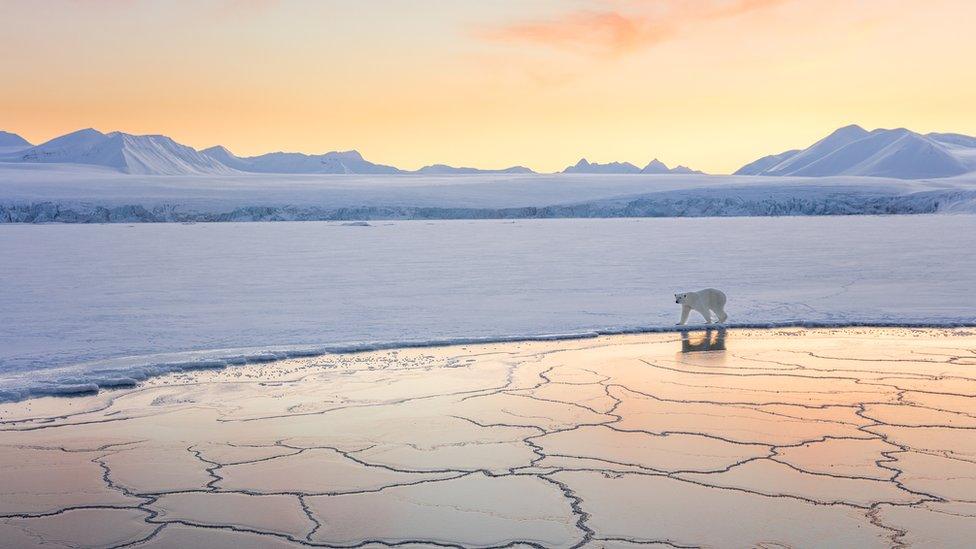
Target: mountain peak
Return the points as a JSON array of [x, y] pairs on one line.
[[348, 155], [8, 139], [846, 133], [656, 166], [217, 149], [85, 132], [853, 128]]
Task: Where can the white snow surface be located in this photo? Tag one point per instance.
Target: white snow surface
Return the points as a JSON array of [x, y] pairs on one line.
[[90, 306]]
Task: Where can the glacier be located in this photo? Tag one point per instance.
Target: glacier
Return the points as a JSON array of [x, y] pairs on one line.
[[70, 193]]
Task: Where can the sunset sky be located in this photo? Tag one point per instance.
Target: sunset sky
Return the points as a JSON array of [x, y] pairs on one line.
[[711, 84]]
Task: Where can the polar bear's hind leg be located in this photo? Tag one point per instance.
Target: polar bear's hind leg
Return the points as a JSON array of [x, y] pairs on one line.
[[720, 307], [705, 313], [721, 314]]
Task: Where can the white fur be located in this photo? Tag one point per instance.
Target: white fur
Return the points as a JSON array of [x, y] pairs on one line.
[[705, 302]]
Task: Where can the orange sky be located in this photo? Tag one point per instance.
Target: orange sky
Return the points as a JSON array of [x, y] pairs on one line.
[[707, 83]]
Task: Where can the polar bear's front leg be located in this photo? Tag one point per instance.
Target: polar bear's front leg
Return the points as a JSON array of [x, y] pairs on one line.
[[685, 311]]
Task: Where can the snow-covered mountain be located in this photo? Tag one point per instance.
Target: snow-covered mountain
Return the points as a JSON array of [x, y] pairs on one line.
[[954, 139], [653, 167], [160, 155], [444, 169], [127, 153], [583, 166], [757, 167], [8, 139], [852, 150], [336, 162], [656, 166], [11, 143]]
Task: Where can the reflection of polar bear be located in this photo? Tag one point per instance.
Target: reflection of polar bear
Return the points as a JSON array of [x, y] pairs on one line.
[[702, 301]]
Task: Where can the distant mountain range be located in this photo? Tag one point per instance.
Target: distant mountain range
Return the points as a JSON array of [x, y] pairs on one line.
[[653, 167], [160, 155], [443, 169], [848, 151], [852, 150], [282, 162]]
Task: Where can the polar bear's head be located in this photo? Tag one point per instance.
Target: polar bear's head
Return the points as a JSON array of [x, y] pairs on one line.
[[680, 298]]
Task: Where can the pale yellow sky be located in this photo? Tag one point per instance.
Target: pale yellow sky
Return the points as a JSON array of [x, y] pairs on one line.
[[711, 84]]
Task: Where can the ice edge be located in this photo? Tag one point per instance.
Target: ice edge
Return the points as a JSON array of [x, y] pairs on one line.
[[131, 375]]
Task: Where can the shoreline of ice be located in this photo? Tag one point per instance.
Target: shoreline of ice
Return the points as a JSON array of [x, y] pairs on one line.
[[130, 371]]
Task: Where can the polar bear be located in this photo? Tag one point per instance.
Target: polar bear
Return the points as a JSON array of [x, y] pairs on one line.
[[702, 301]]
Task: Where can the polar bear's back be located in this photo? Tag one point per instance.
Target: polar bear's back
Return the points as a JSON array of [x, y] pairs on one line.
[[712, 298]]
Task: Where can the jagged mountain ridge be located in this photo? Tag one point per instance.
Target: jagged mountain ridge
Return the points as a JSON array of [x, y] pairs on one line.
[[653, 167]]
